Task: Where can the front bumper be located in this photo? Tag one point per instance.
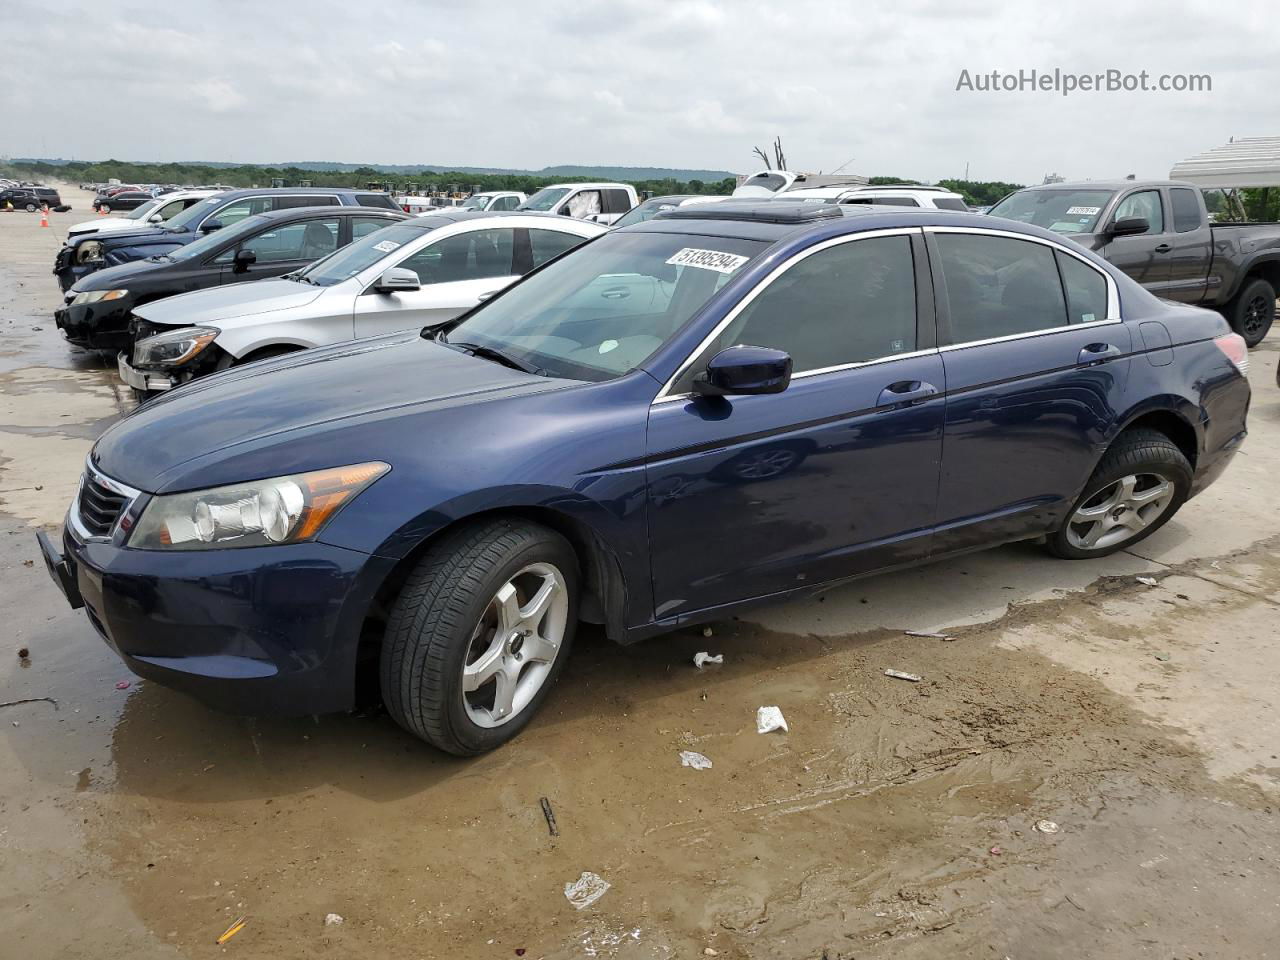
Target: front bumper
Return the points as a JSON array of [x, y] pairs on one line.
[[68, 271], [255, 630], [99, 326], [147, 380]]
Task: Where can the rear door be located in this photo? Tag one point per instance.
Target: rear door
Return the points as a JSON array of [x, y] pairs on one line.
[[834, 476], [1192, 247], [455, 271], [1147, 257], [1036, 361]]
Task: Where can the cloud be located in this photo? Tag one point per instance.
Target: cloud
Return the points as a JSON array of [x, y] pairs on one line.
[[692, 83]]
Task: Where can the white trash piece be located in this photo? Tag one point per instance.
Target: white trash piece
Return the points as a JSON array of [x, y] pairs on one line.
[[702, 658], [769, 719], [691, 758], [586, 890], [333, 920], [899, 675], [1148, 581]]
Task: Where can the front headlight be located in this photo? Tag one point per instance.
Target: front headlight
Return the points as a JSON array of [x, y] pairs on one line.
[[173, 347], [93, 296], [280, 510], [89, 250]]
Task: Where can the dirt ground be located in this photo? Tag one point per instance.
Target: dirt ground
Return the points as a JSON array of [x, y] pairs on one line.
[[894, 819]]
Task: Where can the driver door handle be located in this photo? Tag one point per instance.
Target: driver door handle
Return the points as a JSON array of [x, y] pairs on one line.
[[906, 393], [1163, 248], [1096, 353]]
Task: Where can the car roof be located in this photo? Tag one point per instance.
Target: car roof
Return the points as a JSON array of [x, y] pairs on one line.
[[1109, 184], [331, 210], [458, 215], [288, 191], [761, 220]]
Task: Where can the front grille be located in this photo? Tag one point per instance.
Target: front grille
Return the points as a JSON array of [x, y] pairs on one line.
[[101, 504]]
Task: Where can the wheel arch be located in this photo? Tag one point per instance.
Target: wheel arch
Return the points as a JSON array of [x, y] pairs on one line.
[[1264, 267], [1170, 419], [604, 598]]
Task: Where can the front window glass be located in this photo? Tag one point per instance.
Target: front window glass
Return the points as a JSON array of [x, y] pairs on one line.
[[1186, 209], [853, 302], [368, 250], [505, 203], [998, 287], [585, 204], [144, 211], [475, 255], [216, 240], [1145, 204], [545, 199], [479, 202], [1063, 211], [188, 219], [308, 240], [604, 309]]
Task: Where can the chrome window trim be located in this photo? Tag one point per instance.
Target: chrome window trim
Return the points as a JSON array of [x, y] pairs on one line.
[[115, 486], [665, 396], [1113, 293]]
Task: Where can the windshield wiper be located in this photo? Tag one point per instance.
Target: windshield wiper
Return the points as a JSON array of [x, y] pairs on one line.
[[159, 258], [489, 353], [299, 278]]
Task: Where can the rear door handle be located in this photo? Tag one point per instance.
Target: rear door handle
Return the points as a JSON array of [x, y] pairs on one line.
[[1163, 248], [906, 393], [1096, 353]]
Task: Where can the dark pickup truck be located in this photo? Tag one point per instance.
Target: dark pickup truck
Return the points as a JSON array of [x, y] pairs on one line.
[[1158, 232]]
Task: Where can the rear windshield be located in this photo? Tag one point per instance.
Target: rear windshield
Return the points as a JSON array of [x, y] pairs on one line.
[[603, 309], [1063, 211], [364, 253]]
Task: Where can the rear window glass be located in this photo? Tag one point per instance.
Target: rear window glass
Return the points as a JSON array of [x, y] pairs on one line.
[[949, 203], [1186, 209], [1086, 290], [997, 287]]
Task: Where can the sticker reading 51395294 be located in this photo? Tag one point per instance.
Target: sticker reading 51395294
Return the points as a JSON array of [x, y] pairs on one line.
[[707, 260]]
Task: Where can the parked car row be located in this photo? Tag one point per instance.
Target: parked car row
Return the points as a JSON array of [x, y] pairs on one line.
[[29, 197], [642, 428]]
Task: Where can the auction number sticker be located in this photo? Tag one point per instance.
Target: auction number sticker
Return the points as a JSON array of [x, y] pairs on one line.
[[386, 246], [1083, 211], [708, 260]]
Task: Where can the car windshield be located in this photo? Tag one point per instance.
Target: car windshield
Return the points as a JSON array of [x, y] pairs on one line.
[[189, 217], [478, 202], [144, 211], [1063, 211], [602, 310], [219, 238], [648, 210], [359, 256], [544, 199]]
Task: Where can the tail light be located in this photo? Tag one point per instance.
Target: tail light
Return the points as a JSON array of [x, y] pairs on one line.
[[1235, 349], [406, 209]]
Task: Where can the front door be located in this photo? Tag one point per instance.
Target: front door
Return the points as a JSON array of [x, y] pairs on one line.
[[1147, 257], [456, 273], [834, 476]]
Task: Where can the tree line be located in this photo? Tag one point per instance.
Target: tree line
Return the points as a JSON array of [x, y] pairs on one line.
[[975, 193]]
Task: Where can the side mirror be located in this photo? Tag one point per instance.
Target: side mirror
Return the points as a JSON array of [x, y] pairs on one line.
[[155, 218], [1129, 226], [244, 259], [564, 211], [397, 280], [210, 225], [744, 370]]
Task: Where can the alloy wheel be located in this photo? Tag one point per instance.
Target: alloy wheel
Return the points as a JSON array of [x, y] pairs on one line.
[[1255, 316], [1120, 510], [515, 644]]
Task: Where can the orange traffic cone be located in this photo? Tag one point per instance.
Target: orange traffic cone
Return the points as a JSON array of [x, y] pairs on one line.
[[44, 215], [101, 212]]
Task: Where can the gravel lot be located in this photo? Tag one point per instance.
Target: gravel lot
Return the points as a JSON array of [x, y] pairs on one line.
[[895, 819]]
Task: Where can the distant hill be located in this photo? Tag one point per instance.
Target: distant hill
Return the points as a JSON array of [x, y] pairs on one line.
[[628, 174]]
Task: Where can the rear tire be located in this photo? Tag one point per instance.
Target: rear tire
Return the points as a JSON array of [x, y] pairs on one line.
[[492, 607], [1253, 311], [1140, 483]]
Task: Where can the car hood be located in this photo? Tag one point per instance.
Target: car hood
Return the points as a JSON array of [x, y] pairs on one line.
[[111, 278], [285, 415], [107, 225], [207, 307], [171, 238]]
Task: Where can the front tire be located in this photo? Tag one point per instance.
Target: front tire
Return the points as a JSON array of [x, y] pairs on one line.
[[479, 633], [31, 208], [105, 208], [1253, 311], [1140, 483]]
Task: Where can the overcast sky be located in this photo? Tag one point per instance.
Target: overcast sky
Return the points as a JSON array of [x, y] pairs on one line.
[[633, 82]]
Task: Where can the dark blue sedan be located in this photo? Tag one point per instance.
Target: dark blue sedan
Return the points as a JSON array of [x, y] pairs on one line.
[[727, 404]]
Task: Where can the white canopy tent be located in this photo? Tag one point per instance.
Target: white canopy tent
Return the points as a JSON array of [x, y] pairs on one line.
[[1251, 162]]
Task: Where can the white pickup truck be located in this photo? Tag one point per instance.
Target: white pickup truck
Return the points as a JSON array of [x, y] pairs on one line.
[[598, 202], [499, 200]]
